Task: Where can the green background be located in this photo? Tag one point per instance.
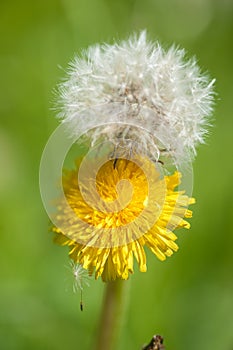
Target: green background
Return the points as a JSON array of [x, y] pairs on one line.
[[189, 298]]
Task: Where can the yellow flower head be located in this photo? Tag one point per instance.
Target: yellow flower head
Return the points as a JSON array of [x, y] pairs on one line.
[[107, 218]]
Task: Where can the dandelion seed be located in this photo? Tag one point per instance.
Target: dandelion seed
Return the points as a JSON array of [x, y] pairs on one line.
[[81, 279]]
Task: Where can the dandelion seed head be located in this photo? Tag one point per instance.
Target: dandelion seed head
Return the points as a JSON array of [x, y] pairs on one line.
[[140, 83]]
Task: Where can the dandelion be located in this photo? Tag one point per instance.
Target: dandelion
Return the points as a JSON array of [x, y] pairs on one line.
[[117, 237], [153, 107], [139, 83]]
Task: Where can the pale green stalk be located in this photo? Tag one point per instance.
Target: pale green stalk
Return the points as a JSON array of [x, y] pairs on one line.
[[113, 315]]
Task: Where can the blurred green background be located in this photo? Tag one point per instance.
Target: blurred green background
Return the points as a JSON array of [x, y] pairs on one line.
[[189, 298]]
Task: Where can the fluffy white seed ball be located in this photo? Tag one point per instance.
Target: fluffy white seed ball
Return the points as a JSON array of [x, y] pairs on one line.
[[139, 83]]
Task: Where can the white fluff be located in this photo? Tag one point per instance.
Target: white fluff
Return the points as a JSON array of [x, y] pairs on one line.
[[160, 93]]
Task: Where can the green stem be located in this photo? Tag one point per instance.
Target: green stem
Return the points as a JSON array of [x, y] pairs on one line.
[[112, 316]]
